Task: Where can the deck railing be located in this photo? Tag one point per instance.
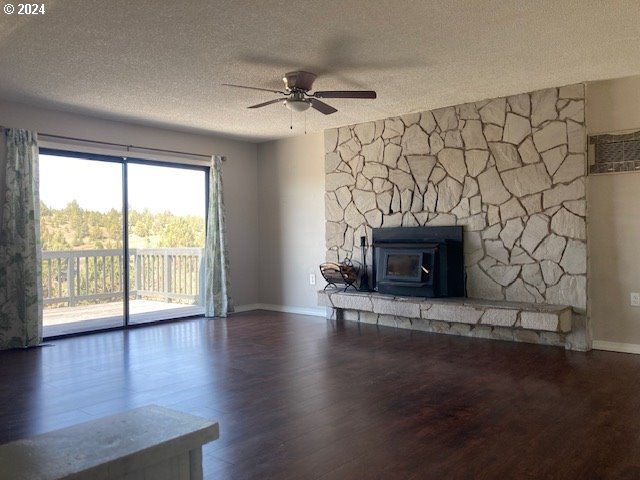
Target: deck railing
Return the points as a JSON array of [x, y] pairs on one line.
[[71, 278]]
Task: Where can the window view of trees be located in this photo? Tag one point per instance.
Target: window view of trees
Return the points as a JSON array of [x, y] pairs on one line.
[[164, 263], [86, 274], [74, 228]]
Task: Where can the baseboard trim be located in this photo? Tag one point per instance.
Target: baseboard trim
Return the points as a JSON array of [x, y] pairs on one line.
[[316, 312], [616, 347], [246, 308]]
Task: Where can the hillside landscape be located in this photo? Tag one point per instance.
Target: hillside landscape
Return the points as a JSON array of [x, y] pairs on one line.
[[75, 228]]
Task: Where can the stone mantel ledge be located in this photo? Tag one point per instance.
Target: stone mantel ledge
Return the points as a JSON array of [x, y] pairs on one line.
[[470, 311]]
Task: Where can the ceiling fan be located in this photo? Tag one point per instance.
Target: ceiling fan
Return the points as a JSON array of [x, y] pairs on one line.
[[298, 99]]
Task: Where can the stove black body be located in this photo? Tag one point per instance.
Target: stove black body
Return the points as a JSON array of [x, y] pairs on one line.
[[419, 261]]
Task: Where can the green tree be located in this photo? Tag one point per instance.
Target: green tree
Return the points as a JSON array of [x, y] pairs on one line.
[[73, 225], [176, 233], [44, 210]]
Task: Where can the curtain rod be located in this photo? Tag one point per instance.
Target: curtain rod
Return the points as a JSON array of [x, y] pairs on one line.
[[111, 144]]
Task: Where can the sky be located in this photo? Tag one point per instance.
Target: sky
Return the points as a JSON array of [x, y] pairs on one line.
[[97, 185]]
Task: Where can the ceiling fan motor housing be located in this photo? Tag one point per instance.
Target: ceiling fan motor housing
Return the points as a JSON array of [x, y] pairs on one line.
[[299, 80]]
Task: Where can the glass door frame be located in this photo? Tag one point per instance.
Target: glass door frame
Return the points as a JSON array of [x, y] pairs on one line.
[[124, 161]]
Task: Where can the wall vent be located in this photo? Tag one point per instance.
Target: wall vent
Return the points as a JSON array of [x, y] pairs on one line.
[[611, 153]]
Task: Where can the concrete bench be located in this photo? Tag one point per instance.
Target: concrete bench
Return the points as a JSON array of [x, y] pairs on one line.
[[148, 442]]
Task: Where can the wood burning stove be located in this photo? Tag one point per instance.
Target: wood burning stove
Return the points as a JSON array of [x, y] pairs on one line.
[[419, 261]]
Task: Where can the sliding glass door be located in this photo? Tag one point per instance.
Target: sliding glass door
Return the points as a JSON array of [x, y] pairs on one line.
[[81, 229], [166, 241], [87, 203]]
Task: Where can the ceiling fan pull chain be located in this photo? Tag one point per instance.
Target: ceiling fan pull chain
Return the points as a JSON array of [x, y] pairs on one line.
[[291, 120], [305, 122]]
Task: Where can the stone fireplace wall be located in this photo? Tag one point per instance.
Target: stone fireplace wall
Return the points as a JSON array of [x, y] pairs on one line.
[[510, 170]]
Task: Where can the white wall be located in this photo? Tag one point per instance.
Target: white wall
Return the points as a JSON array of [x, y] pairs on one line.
[[613, 105], [239, 174], [291, 211], [614, 222]]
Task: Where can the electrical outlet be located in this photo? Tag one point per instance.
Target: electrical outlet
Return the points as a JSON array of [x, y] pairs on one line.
[[312, 279], [635, 299]]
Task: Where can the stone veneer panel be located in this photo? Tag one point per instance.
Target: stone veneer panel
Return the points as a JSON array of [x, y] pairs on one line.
[[510, 170]]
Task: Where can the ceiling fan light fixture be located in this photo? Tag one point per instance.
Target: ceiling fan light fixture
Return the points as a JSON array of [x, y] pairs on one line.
[[297, 105]]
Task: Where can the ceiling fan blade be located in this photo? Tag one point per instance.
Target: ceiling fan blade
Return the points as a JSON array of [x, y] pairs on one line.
[[270, 102], [345, 94], [253, 88], [322, 107]]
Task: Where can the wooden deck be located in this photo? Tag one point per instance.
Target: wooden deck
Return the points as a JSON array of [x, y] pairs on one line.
[[67, 320]]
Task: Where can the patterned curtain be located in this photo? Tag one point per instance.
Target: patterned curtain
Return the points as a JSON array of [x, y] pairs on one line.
[[217, 300], [20, 258]]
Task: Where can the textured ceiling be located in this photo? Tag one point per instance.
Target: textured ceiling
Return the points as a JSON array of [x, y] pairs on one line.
[[162, 63]]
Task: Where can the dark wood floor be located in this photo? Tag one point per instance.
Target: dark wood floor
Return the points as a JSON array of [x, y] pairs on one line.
[[300, 397]]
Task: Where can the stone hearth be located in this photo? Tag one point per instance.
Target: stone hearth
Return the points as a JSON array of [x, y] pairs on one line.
[[515, 321]]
